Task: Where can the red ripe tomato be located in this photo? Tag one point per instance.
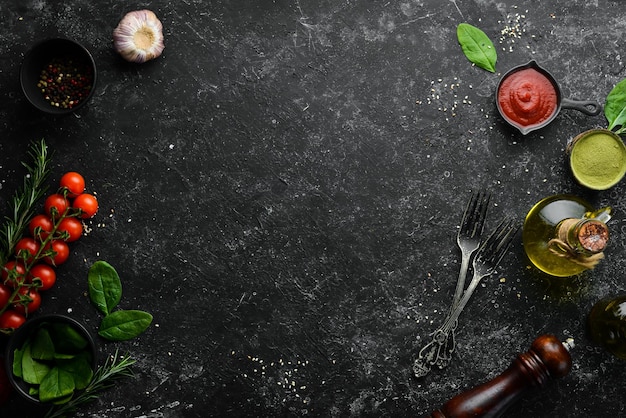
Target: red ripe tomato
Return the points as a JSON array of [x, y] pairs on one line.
[[5, 295], [71, 228], [44, 274], [30, 307], [40, 226], [26, 249], [73, 183], [55, 205], [10, 319], [12, 272], [59, 252], [87, 204]]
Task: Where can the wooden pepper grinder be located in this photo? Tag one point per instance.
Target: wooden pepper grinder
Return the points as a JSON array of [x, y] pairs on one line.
[[547, 358]]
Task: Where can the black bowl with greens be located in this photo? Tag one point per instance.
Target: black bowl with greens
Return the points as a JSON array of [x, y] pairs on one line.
[[50, 358]]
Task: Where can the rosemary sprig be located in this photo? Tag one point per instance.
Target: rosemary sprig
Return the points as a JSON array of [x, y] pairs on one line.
[[115, 368], [23, 202]]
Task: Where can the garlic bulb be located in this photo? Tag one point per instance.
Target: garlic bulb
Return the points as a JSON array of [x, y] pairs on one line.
[[139, 36]]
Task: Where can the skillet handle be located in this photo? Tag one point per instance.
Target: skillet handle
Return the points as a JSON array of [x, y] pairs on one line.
[[588, 107]]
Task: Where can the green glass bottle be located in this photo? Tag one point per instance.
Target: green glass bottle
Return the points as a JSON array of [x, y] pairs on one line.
[[563, 235], [607, 324]]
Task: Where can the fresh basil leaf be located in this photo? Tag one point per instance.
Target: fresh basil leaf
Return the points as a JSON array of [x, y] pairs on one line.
[[43, 347], [615, 107], [57, 385], [124, 324], [105, 287], [33, 371], [477, 46], [80, 368], [67, 339]]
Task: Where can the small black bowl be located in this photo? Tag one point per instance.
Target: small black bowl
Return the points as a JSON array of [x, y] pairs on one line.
[[58, 76], [19, 337]]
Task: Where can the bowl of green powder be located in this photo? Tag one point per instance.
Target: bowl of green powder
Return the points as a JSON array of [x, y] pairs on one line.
[[597, 158]]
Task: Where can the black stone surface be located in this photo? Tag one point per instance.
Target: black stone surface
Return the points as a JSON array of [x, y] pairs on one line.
[[281, 189]]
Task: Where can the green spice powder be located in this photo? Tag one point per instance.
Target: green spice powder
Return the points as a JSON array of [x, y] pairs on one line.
[[598, 161]]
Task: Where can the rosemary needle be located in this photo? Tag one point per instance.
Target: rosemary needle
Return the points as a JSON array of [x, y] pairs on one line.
[[115, 368], [23, 203]]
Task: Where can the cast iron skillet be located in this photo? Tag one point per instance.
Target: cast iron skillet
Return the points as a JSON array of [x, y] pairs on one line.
[[588, 107]]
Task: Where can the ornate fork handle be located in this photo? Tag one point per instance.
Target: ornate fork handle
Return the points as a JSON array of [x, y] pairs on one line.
[[438, 352]]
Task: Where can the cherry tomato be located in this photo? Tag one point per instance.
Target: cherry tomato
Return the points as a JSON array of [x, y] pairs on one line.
[[73, 183], [5, 295], [11, 273], [6, 390], [44, 274], [26, 249], [30, 307], [10, 319], [55, 205], [87, 204], [40, 226], [60, 252], [72, 226]]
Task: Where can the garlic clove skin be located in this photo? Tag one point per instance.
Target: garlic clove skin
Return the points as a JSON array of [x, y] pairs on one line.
[[139, 36]]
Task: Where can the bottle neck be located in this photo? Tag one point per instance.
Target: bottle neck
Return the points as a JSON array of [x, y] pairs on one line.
[[584, 236]]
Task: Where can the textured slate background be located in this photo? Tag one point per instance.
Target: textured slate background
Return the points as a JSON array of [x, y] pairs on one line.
[[281, 189]]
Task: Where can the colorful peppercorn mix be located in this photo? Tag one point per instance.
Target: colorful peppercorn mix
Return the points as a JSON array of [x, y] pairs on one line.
[[65, 82]]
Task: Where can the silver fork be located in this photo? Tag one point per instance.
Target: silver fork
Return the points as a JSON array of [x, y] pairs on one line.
[[468, 240], [468, 237], [485, 263]]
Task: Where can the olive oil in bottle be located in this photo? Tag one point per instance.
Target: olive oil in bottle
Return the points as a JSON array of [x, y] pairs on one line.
[[563, 236], [607, 324]]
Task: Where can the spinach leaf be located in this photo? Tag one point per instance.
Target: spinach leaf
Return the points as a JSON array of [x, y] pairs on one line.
[[17, 362], [67, 339], [615, 107], [43, 347], [33, 371], [477, 46], [124, 324], [80, 368], [57, 384], [105, 287]]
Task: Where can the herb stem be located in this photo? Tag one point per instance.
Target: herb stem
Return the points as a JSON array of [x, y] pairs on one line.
[[115, 368], [23, 202]]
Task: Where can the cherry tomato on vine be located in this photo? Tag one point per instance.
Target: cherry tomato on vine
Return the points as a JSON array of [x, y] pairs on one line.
[[87, 204], [73, 182], [55, 205], [5, 295], [30, 307], [26, 249], [45, 274], [40, 226], [72, 226], [10, 272], [60, 252], [10, 319]]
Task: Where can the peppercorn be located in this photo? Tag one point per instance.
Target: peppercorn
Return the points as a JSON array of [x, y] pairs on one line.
[[65, 82]]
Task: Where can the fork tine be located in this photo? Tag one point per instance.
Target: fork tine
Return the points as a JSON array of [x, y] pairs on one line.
[[473, 221], [469, 210], [498, 243], [481, 212]]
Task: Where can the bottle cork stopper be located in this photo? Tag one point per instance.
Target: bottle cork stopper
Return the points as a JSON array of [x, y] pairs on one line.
[[593, 236]]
